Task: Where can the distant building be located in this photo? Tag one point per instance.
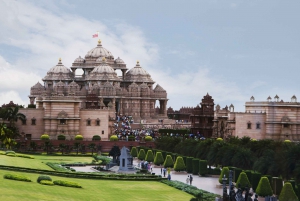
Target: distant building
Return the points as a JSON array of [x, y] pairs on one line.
[[183, 114], [202, 117], [269, 119]]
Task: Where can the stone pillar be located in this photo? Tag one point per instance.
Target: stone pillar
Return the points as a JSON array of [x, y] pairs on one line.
[[32, 99], [123, 73]]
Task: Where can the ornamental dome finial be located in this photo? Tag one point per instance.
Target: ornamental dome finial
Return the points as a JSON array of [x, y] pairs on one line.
[[59, 59], [103, 59], [99, 42]]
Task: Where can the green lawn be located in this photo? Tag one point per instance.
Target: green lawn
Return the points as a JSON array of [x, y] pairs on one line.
[[39, 161], [92, 190]]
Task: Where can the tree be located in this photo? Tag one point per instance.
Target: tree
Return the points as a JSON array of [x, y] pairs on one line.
[[133, 152], [287, 193], [243, 181], [62, 147], [77, 146], [33, 146], [264, 188], [168, 162], [92, 147], [47, 143], [78, 137], [12, 115], [225, 171], [141, 155], [179, 164], [149, 156], [6, 136], [159, 159], [115, 153]]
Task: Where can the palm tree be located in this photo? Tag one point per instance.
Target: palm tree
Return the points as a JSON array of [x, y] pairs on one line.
[[6, 135], [92, 146], [12, 115]]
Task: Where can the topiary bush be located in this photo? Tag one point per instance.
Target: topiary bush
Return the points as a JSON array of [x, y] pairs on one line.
[[131, 138], [67, 183], [264, 188], [148, 138], [43, 177], [249, 175], [149, 156], [113, 138], [287, 193], [195, 166], [45, 137], [61, 137], [46, 182], [16, 177], [243, 181], [141, 155], [219, 139], [255, 180], [133, 152], [179, 164], [159, 159], [237, 172], [277, 185], [168, 162], [10, 152], [78, 137], [189, 164], [225, 171], [96, 138], [203, 167]]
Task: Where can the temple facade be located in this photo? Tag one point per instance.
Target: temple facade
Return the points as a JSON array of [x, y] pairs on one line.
[[87, 104], [271, 119]]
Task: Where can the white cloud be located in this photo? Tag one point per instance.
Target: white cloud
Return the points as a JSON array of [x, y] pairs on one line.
[[7, 96]]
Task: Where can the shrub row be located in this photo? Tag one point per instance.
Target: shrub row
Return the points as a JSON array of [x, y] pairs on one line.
[[10, 152], [24, 156], [175, 131], [105, 160], [16, 177], [57, 167], [45, 182], [67, 183], [191, 189]]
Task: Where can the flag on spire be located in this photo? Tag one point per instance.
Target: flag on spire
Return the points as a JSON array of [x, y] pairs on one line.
[[96, 35]]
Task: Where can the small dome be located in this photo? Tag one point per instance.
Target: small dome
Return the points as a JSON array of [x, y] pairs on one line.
[[100, 60], [119, 61], [79, 60], [138, 74], [59, 68], [103, 72], [59, 72], [99, 51]]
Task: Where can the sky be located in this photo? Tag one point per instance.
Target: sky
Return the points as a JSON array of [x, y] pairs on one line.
[[230, 49]]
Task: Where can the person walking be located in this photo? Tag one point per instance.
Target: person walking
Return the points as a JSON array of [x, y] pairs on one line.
[[191, 179], [188, 179], [164, 172]]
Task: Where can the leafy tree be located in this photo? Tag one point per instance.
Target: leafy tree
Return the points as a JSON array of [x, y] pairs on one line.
[[168, 162], [243, 158], [113, 138], [288, 193], [6, 136], [62, 147], [133, 152], [159, 159], [141, 155], [77, 146], [264, 188], [33, 145], [115, 153], [216, 153], [149, 156], [92, 147], [47, 143], [12, 115], [45, 137], [179, 164], [243, 181], [225, 171]]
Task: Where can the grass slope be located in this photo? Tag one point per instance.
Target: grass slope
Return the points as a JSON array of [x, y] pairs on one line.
[[92, 190]]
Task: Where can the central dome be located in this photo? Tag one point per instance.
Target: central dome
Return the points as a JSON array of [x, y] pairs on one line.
[[103, 72], [99, 51]]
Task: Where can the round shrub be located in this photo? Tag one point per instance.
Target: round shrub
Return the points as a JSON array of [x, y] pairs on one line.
[[10, 152], [43, 177], [148, 138], [96, 138], [264, 188], [288, 141], [45, 137], [159, 159], [133, 152], [225, 171], [179, 164], [189, 164], [113, 138], [219, 139], [149, 156], [78, 137], [195, 166], [287, 193], [141, 155], [168, 162], [61, 137], [46, 182], [131, 138], [203, 167], [243, 181]]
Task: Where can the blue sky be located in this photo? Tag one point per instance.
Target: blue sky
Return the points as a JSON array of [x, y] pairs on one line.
[[230, 49]]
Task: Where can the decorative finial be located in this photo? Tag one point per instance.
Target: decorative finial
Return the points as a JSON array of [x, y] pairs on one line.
[[99, 41], [103, 59], [137, 62], [59, 59]]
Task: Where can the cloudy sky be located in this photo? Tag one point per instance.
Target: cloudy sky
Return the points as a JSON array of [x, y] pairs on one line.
[[230, 49]]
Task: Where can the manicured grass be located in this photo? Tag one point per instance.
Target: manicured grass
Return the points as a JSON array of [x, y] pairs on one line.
[[39, 161], [92, 190]]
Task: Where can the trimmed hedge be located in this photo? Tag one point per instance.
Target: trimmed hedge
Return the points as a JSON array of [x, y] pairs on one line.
[[133, 152], [255, 180], [264, 188], [159, 159], [277, 185], [237, 172], [243, 181], [203, 167], [96, 138], [225, 171], [78, 137], [287, 193], [67, 184], [24, 156], [43, 177], [16, 177], [164, 153], [148, 138], [46, 182], [141, 155], [189, 164], [113, 138], [149, 156], [131, 138], [61, 137], [179, 164], [10, 152], [195, 162], [249, 175], [168, 162]]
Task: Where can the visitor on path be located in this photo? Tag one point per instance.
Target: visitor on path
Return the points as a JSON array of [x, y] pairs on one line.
[[188, 179], [164, 172], [191, 179], [169, 177], [161, 171]]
